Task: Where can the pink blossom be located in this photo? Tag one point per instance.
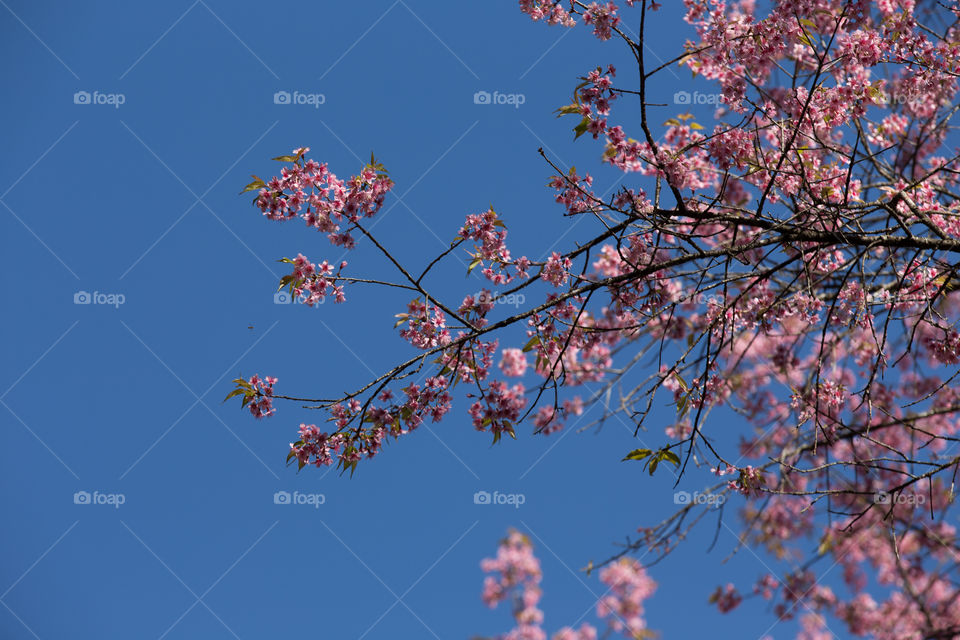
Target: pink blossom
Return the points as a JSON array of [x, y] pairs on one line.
[[513, 363]]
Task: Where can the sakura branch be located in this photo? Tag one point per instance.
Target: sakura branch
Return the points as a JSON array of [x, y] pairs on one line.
[[789, 267]]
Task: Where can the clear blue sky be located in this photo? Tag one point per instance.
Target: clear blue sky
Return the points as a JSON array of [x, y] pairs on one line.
[[140, 200]]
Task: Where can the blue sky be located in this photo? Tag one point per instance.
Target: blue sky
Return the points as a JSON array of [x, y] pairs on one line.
[[129, 192]]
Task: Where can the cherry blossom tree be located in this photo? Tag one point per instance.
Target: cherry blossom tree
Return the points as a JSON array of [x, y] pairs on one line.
[[793, 262]]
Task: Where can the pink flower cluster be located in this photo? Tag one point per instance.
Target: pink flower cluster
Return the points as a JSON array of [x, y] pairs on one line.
[[727, 599], [470, 361], [313, 282], [517, 576], [498, 408], [603, 18], [490, 234], [574, 193], [426, 326], [513, 363], [557, 269], [261, 406], [548, 419], [309, 190], [550, 10], [351, 444], [629, 586]]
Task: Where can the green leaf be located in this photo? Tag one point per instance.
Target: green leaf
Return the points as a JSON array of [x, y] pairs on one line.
[[581, 128], [568, 109], [286, 158], [256, 184], [473, 264], [826, 544], [654, 461], [670, 456], [292, 452], [534, 341], [285, 280], [637, 454], [235, 392], [576, 90], [682, 405]]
